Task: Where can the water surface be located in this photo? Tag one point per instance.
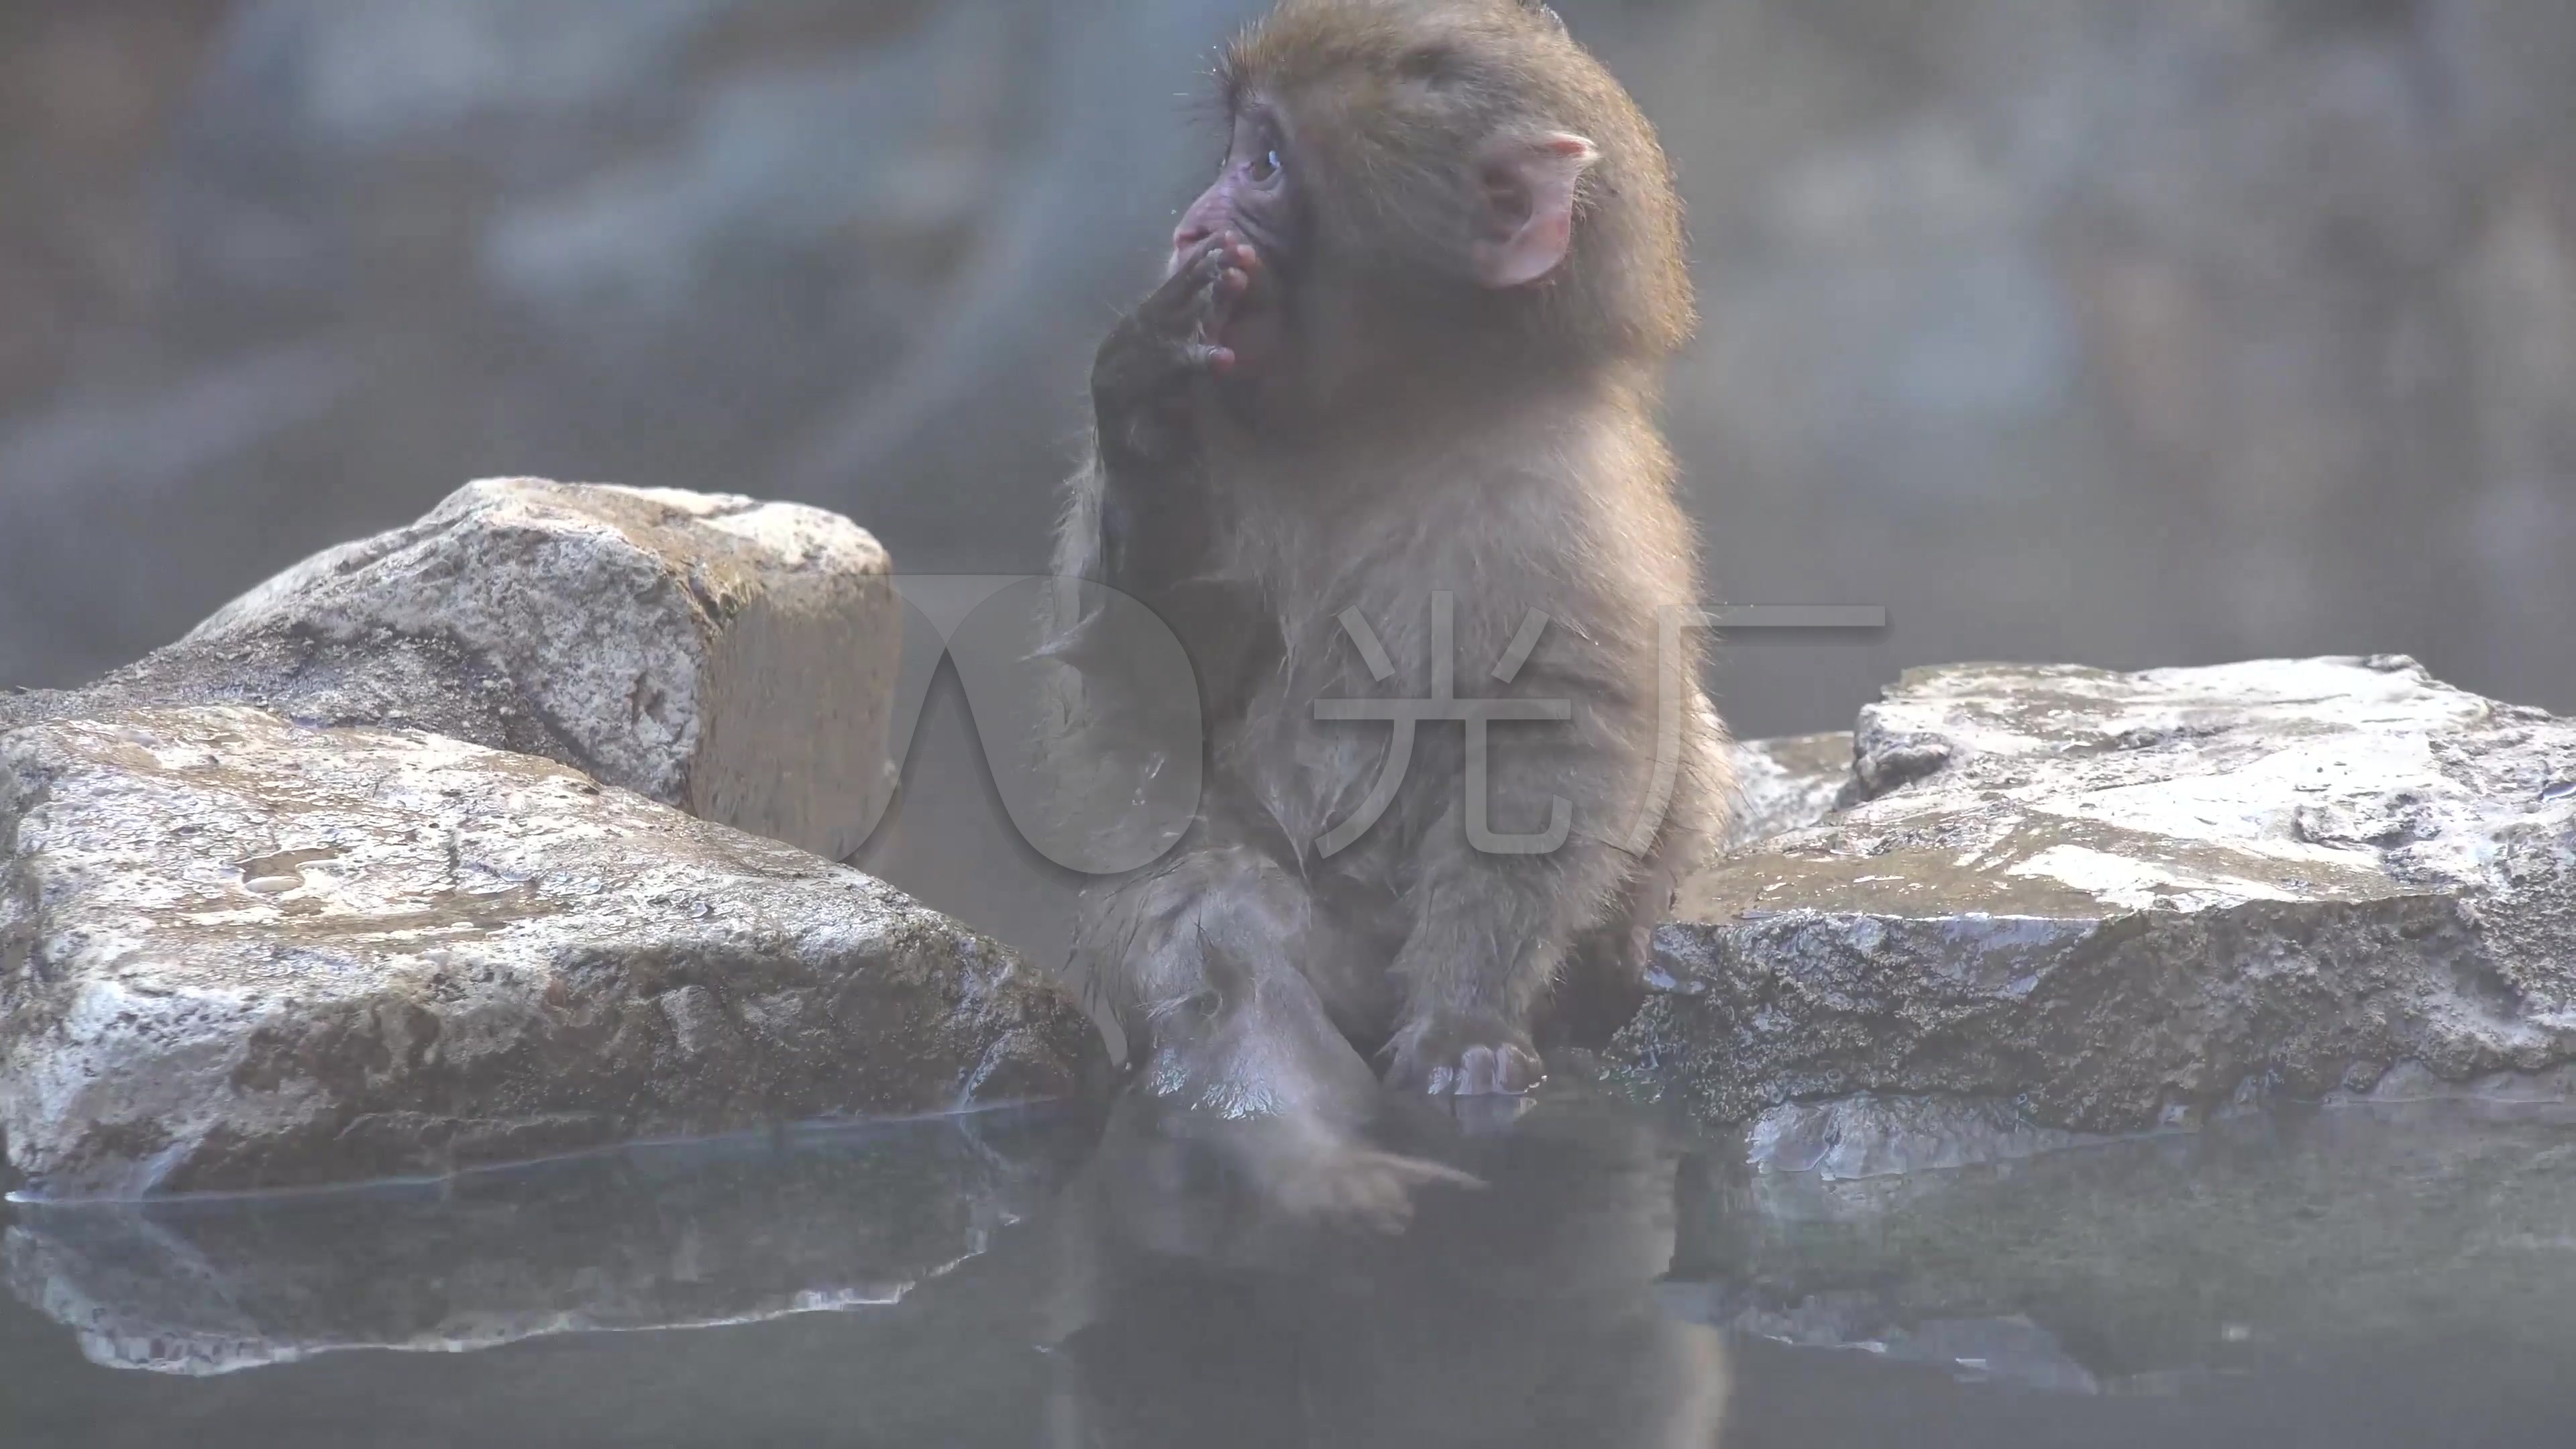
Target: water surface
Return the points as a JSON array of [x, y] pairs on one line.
[[2350, 1277]]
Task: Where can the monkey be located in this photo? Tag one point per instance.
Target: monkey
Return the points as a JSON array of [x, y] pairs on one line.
[[1385, 439]]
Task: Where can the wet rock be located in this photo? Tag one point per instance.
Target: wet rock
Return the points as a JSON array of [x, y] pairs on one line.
[[238, 952], [665, 1237], [731, 657], [2117, 901], [1788, 784]]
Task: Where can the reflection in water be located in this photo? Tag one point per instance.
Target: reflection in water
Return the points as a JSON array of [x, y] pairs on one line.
[[1522, 1313], [2362, 1277], [694, 1235], [2298, 1236]]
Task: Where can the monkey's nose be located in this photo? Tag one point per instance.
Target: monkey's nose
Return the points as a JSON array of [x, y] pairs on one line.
[[1206, 217]]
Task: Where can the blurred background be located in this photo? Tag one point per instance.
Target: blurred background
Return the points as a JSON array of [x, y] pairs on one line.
[[2092, 330]]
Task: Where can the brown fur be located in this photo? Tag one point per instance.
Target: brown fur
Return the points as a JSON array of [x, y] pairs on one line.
[[1414, 433], [1401, 89]]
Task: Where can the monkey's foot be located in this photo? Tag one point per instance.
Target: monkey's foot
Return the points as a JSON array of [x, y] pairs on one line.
[[1464, 1058]]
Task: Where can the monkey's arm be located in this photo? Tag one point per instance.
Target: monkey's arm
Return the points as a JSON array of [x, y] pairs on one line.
[[1493, 927], [1150, 518], [1489, 939], [1141, 518]]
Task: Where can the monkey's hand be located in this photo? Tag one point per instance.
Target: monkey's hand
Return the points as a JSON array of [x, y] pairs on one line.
[[1464, 1057], [1313, 1173], [1142, 378]]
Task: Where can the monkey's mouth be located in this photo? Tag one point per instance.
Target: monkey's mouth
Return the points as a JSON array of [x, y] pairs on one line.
[[1255, 333]]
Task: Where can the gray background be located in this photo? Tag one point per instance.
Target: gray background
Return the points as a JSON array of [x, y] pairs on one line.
[[2128, 333]]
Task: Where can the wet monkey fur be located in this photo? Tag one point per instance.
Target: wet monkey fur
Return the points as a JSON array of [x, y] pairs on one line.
[[1386, 432]]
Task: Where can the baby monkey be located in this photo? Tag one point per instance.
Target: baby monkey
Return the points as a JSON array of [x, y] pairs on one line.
[[1382, 450]]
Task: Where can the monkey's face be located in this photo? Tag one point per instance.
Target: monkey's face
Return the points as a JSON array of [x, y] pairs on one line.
[[1253, 194], [1255, 197], [1433, 190]]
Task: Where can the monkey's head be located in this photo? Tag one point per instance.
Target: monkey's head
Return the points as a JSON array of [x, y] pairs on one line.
[[1443, 185]]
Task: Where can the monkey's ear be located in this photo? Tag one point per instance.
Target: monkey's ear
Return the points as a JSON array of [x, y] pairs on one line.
[[1529, 190]]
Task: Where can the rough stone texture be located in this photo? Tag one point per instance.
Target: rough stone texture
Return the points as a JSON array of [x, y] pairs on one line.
[[731, 657], [649, 1238], [2120, 900], [241, 953], [1789, 784]]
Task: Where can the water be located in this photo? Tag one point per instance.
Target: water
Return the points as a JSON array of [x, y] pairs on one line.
[[2352, 1276]]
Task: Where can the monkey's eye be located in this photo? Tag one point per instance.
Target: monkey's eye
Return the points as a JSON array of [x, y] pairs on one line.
[[1267, 165]]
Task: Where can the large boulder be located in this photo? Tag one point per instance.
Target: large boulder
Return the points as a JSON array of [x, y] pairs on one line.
[[238, 952], [731, 657], [2082, 901]]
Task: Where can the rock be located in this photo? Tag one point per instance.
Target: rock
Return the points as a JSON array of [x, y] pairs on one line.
[[2122, 900], [454, 956], [1788, 784], [734, 658], [665, 1237]]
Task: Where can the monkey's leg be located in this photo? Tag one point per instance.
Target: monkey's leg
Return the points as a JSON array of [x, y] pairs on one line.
[[1198, 959], [1604, 981], [1606, 968]]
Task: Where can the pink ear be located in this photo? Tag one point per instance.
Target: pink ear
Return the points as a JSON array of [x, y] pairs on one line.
[[1530, 186]]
